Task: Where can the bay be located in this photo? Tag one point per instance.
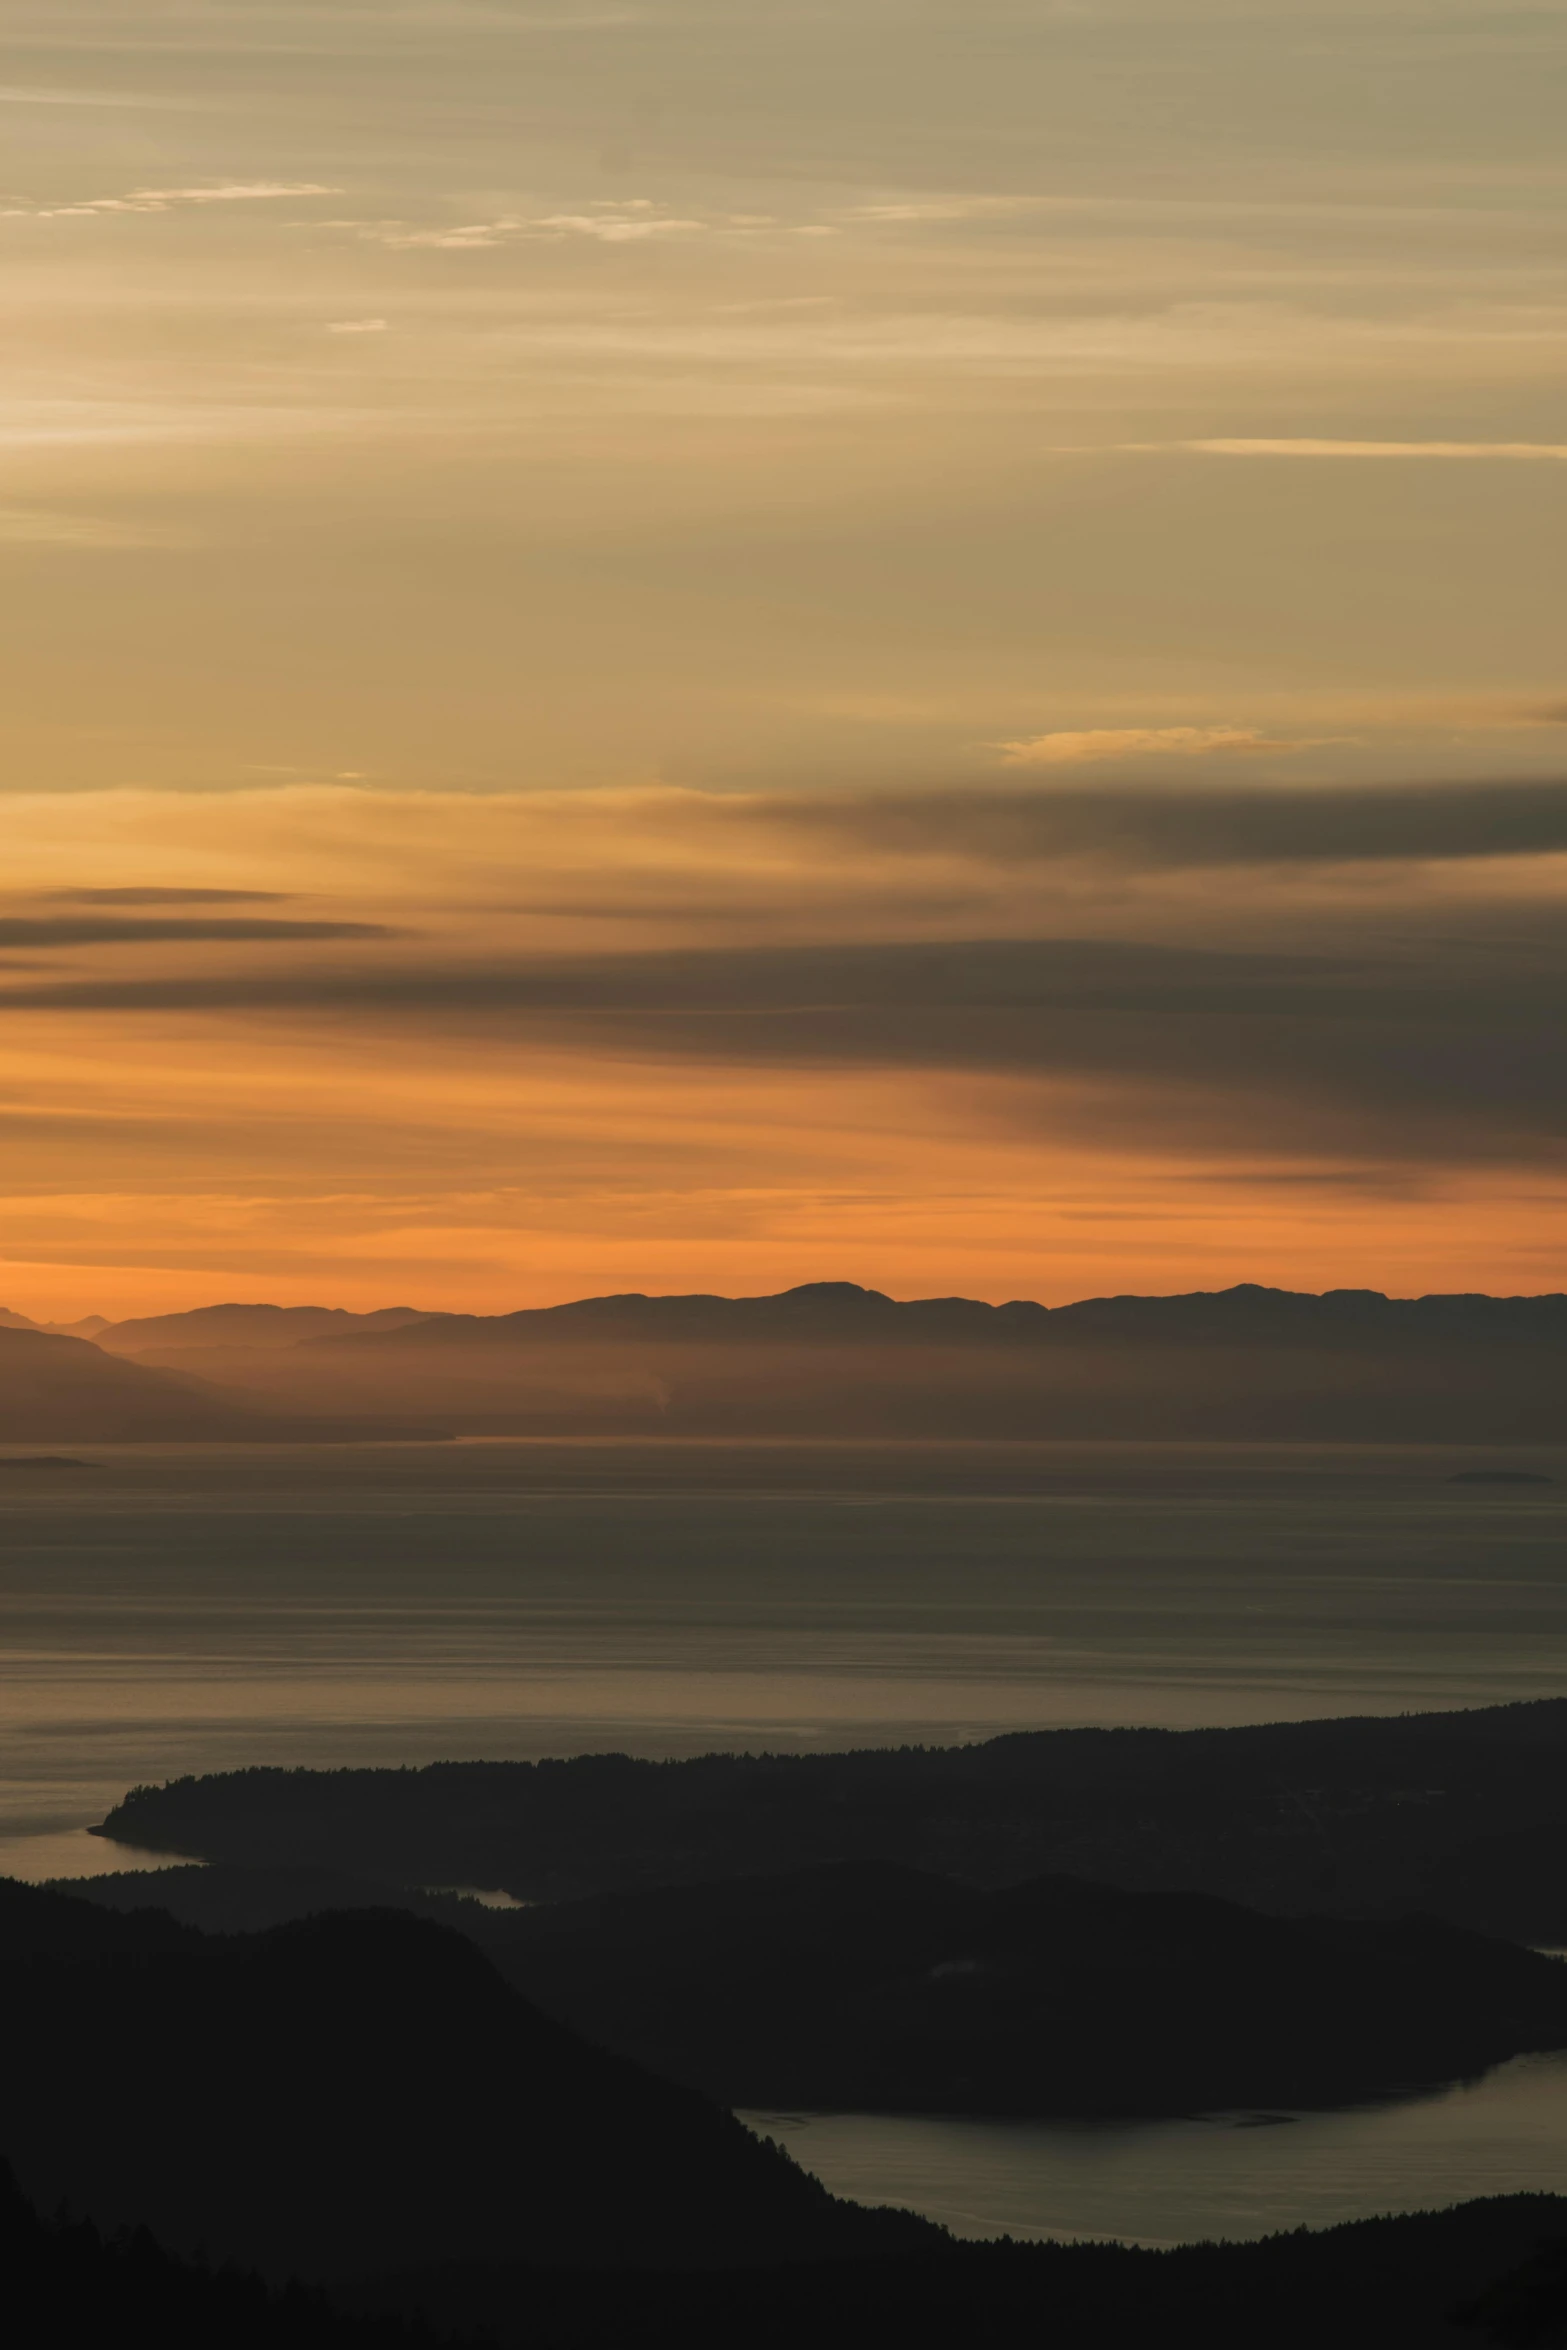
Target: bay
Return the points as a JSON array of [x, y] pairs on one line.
[[1236, 2176]]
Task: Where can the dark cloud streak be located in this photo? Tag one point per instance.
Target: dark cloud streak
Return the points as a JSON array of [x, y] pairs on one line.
[[1422, 1052], [986, 975], [166, 897], [80, 930], [1195, 826], [1436, 979]]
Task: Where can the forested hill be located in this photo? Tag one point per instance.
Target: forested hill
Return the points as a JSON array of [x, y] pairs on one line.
[[355, 2093], [872, 1988]]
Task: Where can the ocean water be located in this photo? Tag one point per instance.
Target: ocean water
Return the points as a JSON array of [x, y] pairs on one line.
[[173, 1609], [1216, 2175], [165, 1610]]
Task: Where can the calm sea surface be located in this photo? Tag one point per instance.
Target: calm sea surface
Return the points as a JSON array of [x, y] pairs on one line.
[[190, 1609]]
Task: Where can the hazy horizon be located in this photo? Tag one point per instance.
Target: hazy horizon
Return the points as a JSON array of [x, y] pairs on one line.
[[500, 1308]]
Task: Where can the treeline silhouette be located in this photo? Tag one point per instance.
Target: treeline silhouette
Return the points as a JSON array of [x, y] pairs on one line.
[[63, 2283], [1459, 1815], [1489, 2271]]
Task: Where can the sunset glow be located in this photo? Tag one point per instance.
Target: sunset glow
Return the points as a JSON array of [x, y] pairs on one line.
[[706, 647]]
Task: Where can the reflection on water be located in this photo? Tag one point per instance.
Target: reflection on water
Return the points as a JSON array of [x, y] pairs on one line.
[[197, 1608], [1175, 2182], [73, 1852]]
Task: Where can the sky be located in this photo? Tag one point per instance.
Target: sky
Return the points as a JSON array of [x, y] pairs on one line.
[[709, 643]]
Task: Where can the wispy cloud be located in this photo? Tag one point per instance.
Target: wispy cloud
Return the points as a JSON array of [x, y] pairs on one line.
[[471, 236], [616, 228], [171, 199], [13, 94], [68, 423], [919, 209], [1525, 452], [1088, 746], [356, 326], [625, 221], [41, 526]]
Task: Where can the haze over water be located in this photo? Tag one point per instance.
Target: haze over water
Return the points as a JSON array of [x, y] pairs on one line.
[[192, 1609]]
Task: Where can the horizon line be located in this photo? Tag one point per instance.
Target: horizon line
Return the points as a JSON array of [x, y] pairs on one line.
[[12, 1316]]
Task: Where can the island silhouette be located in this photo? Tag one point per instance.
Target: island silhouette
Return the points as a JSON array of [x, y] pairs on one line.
[[1461, 1816]]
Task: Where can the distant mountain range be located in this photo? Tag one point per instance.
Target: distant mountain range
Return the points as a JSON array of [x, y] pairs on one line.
[[260, 1326], [253, 1328], [64, 1390], [58, 1390], [827, 1359], [88, 1327]]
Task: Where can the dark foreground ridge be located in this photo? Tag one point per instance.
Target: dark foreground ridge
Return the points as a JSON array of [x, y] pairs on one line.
[[362, 2092], [1462, 1816], [63, 2282], [361, 2102], [883, 1990], [1482, 2272]]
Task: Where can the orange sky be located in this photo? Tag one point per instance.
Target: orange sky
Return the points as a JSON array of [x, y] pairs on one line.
[[714, 645], [489, 1050]]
